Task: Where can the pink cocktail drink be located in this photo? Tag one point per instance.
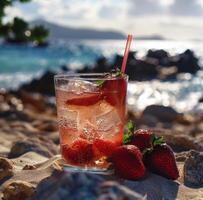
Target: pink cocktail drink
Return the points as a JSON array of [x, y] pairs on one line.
[[91, 115]]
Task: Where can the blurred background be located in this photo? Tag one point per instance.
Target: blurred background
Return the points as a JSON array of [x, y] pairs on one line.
[[38, 38]]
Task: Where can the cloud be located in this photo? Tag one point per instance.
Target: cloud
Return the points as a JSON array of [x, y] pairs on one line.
[[186, 8], [12, 12], [145, 7], [108, 12], [142, 17]]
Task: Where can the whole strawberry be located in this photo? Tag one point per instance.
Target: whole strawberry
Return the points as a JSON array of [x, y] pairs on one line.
[[142, 139], [161, 161], [127, 161]]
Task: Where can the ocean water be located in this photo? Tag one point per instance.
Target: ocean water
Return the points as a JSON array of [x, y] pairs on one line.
[[19, 64]]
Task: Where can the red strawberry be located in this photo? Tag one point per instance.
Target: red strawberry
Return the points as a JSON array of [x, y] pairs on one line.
[[161, 161], [142, 139], [80, 152], [85, 99], [105, 147], [128, 163]]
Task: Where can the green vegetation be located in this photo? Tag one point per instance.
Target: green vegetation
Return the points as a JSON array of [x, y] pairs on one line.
[[18, 30]]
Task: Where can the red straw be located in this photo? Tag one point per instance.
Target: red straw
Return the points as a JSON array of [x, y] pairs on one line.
[[125, 57]]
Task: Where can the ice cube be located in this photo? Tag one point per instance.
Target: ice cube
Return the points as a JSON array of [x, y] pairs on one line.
[[68, 118], [100, 108], [79, 86], [107, 120], [88, 131]]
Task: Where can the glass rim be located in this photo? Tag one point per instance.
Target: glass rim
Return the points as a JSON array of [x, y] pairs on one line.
[[88, 76]]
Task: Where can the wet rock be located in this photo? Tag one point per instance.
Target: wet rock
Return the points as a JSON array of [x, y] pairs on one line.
[[85, 69], [44, 84], [141, 70], [101, 65], [160, 54], [41, 145], [64, 68], [18, 190], [162, 113], [201, 100], [6, 168], [187, 62], [193, 169]]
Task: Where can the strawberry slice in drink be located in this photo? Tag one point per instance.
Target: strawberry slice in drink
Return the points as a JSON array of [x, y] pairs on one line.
[[114, 91], [84, 99], [105, 147], [79, 152], [110, 89]]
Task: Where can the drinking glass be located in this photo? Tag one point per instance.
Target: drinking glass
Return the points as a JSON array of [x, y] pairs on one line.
[[91, 116]]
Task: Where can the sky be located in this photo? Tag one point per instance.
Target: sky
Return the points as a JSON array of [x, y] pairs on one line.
[[173, 19]]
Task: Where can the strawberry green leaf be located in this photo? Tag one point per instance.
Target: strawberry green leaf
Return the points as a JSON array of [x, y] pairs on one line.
[[99, 83], [128, 133], [157, 140]]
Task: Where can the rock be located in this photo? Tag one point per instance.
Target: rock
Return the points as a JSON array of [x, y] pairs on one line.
[[68, 186], [158, 54], [187, 62], [101, 65], [37, 101], [93, 186], [182, 156], [29, 167], [201, 100], [147, 120], [65, 68], [40, 145], [85, 69], [46, 125], [178, 141], [44, 84], [162, 113], [13, 115], [141, 70], [193, 169], [168, 73], [6, 168], [18, 190]]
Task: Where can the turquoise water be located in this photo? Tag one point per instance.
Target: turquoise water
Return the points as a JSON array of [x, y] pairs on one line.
[[20, 64]]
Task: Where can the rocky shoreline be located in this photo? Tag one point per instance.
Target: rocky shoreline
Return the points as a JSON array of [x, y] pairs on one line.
[[156, 64], [30, 167]]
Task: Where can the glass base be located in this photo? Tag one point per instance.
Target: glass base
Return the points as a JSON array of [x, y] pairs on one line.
[[92, 170]]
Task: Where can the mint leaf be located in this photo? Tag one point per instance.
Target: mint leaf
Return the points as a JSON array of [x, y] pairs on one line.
[[128, 133], [99, 83]]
